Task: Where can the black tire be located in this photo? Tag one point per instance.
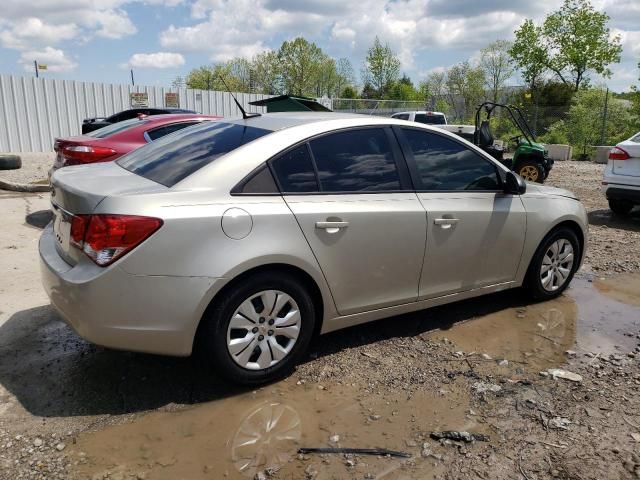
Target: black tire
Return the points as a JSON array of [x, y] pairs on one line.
[[212, 334], [530, 170], [10, 162], [533, 282], [620, 207]]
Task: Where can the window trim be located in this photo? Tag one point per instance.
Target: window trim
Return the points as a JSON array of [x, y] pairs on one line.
[[413, 166], [236, 191]]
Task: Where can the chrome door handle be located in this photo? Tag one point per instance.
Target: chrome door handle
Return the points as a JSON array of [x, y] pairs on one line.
[[446, 222], [332, 225]]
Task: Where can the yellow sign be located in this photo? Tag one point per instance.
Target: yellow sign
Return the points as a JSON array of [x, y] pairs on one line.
[[42, 66]]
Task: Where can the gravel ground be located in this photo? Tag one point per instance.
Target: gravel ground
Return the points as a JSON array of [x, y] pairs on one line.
[[484, 363], [34, 168]]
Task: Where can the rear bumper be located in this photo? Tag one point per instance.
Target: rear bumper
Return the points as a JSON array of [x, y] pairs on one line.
[[615, 191], [112, 308]]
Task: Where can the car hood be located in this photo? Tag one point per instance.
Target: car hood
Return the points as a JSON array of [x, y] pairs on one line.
[[537, 189]]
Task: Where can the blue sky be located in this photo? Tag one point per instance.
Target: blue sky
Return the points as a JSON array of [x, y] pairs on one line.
[[99, 40]]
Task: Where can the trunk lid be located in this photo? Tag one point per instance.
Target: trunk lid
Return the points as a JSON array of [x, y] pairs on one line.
[[631, 166], [79, 189]]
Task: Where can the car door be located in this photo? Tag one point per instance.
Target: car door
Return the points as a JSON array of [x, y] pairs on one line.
[[351, 195], [475, 231]]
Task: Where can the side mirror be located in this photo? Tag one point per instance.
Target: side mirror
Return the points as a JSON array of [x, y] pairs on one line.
[[514, 184]]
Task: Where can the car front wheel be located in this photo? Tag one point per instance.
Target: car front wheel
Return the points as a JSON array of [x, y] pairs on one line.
[[554, 264], [256, 332]]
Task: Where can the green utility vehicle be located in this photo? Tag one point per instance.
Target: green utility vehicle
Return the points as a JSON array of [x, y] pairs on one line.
[[530, 159]]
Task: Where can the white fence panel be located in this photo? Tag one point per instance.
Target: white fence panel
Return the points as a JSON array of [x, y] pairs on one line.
[[34, 111]]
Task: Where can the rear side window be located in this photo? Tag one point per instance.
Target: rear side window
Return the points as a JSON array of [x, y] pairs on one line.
[[167, 129], [430, 119], [444, 164], [171, 159], [294, 171], [109, 130], [355, 161], [401, 116]]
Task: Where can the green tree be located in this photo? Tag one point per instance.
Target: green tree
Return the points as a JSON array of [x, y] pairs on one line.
[[345, 75], [381, 67], [300, 63], [267, 75], [497, 65], [529, 53], [583, 125], [572, 42], [403, 89], [465, 83], [201, 78]]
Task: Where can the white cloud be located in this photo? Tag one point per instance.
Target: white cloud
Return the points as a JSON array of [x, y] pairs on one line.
[[55, 60], [31, 30], [113, 24], [155, 60]]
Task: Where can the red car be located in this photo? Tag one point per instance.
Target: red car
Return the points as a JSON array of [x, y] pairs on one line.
[[113, 141]]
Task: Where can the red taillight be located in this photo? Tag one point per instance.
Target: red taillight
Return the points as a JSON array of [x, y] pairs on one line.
[[78, 228], [77, 154], [105, 238], [616, 153]]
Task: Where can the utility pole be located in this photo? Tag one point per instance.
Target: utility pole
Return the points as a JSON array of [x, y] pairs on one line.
[[604, 118], [35, 65], [132, 81]]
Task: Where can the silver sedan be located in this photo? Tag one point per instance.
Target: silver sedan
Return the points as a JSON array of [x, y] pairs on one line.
[[244, 238]]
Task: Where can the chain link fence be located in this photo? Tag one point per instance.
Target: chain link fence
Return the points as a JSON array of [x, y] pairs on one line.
[[593, 118]]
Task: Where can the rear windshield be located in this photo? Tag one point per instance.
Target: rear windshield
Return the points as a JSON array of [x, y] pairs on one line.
[[430, 119], [636, 138], [175, 157], [115, 128]]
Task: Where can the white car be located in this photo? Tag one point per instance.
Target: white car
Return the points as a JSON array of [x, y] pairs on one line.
[[621, 183]]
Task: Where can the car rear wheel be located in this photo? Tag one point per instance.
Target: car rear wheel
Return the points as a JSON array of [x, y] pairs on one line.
[[620, 207], [530, 171], [258, 331], [554, 264]]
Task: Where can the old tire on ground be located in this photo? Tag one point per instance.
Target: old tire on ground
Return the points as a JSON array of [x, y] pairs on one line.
[[531, 171], [554, 264], [10, 162], [246, 333], [620, 207]]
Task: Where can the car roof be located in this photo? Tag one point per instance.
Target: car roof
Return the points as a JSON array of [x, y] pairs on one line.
[[282, 120], [420, 111], [177, 117]]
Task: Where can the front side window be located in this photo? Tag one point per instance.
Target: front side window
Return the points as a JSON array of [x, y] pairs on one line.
[[294, 171], [355, 161], [444, 164], [173, 158]]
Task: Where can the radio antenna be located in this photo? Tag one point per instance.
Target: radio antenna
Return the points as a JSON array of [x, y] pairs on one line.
[[245, 115]]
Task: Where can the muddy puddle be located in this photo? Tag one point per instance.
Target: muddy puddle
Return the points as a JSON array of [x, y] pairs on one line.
[[261, 432], [247, 434]]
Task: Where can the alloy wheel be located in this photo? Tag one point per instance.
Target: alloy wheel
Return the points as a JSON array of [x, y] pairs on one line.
[[530, 173], [263, 329], [556, 265]]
